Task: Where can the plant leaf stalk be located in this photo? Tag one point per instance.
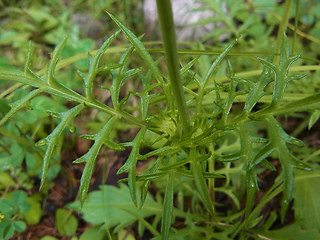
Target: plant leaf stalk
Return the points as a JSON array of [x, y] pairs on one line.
[[171, 55], [283, 27]]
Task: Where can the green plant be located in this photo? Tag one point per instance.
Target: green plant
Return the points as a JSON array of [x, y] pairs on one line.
[[66, 223], [9, 208], [201, 149], [15, 207]]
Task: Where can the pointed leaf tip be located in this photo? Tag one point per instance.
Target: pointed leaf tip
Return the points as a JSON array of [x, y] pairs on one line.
[[54, 60], [80, 160], [88, 137], [42, 142], [28, 59]]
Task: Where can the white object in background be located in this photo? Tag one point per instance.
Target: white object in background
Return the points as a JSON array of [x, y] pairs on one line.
[[184, 16]]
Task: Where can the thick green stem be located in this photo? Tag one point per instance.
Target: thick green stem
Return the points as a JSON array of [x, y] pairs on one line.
[[170, 47]]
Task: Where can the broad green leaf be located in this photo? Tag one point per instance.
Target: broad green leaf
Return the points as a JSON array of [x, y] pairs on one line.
[[7, 208], [14, 157], [33, 216], [19, 200], [6, 180], [106, 206], [66, 223], [6, 229], [19, 226], [97, 233]]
